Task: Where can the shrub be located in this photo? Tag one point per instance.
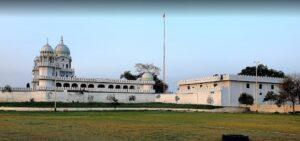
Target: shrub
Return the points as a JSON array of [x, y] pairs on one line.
[[246, 99], [114, 101], [7, 88]]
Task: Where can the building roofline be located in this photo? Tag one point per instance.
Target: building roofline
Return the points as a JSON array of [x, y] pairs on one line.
[[231, 77]]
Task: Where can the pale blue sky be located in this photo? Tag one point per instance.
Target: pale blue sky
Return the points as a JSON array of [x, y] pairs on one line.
[[105, 45]]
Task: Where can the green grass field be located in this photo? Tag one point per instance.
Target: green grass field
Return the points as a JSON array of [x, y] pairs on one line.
[[148, 125]]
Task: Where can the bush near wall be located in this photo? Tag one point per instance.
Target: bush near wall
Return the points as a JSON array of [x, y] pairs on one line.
[[107, 105]]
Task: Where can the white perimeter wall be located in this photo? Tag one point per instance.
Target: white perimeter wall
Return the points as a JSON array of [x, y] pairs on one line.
[[43, 96]]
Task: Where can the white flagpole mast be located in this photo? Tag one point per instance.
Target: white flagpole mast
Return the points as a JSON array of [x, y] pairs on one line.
[[164, 53]]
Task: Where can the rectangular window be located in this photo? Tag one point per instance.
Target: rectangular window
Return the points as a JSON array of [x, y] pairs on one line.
[[272, 87], [260, 86], [215, 85], [248, 85]]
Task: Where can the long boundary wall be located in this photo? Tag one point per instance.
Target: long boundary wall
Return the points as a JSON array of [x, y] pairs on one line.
[[46, 96], [274, 108]]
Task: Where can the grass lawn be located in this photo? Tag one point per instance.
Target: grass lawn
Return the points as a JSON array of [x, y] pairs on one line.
[[148, 125]]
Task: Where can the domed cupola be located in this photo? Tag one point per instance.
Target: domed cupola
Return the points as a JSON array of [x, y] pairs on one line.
[[46, 49], [147, 76], [62, 49]]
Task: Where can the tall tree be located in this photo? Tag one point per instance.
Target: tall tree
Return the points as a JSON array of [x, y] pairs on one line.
[[28, 85], [289, 92], [159, 86], [142, 68], [271, 96], [262, 70], [129, 76]]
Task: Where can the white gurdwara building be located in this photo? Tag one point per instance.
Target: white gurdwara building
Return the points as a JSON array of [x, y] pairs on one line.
[[225, 89], [53, 69]]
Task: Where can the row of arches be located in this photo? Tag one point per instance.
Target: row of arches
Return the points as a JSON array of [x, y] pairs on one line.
[[75, 85]]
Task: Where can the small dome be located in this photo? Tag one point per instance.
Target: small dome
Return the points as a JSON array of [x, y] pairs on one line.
[[47, 49], [147, 76], [61, 48]]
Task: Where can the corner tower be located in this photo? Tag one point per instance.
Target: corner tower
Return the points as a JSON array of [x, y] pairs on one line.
[[63, 60], [46, 66]]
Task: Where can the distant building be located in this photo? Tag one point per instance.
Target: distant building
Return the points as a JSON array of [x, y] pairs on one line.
[[225, 89], [53, 69], [54, 79]]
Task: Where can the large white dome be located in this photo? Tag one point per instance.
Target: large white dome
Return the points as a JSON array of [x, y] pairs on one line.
[[147, 76], [47, 49], [61, 48]]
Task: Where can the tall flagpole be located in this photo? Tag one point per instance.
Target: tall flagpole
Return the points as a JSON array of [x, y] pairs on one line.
[[164, 53]]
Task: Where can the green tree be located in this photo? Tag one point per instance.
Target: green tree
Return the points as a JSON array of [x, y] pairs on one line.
[[246, 99], [159, 85], [7, 88], [129, 76], [289, 92], [262, 70], [28, 85], [142, 68], [271, 96]]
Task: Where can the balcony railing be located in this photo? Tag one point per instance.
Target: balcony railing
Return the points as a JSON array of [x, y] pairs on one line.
[[95, 80], [46, 64], [99, 90]]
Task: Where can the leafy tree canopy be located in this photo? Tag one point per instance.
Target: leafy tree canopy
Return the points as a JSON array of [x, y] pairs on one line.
[[289, 92], [246, 99], [140, 70], [129, 76], [262, 70]]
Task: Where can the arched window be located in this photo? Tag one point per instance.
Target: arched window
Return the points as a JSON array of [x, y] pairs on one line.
[[101, 86], [91, 86], [74, 85], [125, 87], [58, 85], [66, 85], [83, 85], [110, 86], [118, 87], [131, 87]]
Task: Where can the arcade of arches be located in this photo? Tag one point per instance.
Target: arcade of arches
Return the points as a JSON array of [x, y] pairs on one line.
[[102, 86]]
